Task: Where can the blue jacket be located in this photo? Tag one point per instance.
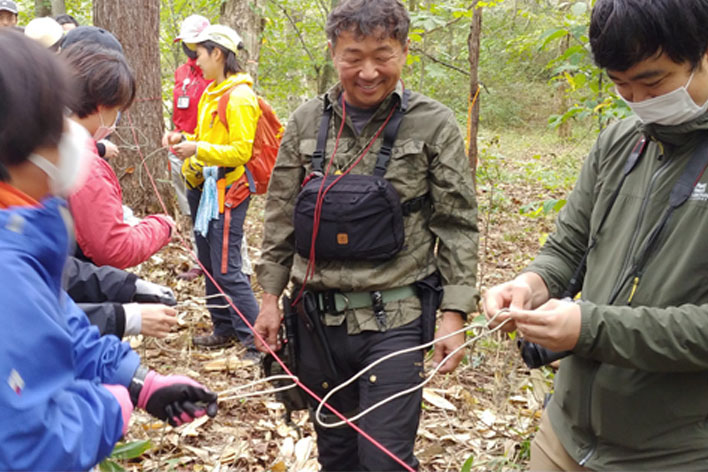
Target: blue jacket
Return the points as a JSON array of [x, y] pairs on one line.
[[54, 412]]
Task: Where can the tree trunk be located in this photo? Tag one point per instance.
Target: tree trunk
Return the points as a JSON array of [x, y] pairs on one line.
[[42, 8], [58, 7], [244, 16], [473, 41], [327, 76], [137, 27]]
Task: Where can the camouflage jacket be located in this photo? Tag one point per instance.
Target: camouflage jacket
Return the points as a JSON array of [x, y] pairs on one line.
[[428, 158]]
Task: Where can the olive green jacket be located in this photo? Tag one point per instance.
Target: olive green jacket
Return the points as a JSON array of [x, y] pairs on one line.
[[428, 158], [635, 393]]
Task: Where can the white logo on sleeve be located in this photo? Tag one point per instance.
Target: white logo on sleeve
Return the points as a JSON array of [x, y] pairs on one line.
[[15, 381], [699, 193]]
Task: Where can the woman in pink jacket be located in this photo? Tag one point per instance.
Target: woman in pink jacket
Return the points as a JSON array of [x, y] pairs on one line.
[[107, 86]]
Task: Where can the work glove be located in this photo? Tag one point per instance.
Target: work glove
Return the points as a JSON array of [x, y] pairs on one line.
[[148, 292], [173, 398], [126, 406]]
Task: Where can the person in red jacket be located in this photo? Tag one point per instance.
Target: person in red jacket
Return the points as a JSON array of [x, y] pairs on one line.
[[107, 86], [189, 86]]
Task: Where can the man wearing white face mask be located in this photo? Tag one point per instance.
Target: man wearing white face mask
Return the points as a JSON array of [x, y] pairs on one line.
[[107, 86], [631, 392]]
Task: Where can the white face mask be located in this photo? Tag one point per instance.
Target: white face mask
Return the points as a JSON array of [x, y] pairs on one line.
[[104, 131], [672, 108], [70, 173]]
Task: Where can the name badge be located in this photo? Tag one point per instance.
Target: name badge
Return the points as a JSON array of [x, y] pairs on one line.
[[183, 102]]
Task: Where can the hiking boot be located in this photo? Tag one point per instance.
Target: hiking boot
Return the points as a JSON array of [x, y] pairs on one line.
[[252, 356], [190, 274], [214, 341]]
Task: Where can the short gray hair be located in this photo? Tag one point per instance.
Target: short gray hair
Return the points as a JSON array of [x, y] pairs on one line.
[[386, 18]]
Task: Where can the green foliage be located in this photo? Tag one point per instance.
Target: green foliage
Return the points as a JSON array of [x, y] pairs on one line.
[[542, 208], [124, 451], [467, 466], [587, 88]]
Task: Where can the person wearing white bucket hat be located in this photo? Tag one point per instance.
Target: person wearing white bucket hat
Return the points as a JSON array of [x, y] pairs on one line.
[[189, 86]]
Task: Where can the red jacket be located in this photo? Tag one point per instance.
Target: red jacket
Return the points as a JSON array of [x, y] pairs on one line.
[[97, 208], [185, 119]]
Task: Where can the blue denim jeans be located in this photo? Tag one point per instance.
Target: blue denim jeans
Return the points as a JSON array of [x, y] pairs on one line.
[[234, 283]]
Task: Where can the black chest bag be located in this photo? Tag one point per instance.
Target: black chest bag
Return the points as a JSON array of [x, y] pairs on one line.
[[360, 217]]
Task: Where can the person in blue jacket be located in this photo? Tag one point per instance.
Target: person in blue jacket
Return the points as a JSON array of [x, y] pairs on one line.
[[66, 393]]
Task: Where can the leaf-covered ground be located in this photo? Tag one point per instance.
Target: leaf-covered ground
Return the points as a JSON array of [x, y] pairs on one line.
[[481, 417]]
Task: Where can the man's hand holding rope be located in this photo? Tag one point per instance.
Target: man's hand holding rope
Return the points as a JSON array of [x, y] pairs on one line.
[[450, 321]]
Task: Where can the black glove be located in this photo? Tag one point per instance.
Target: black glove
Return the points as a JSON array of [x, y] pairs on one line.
[[148, 292], [174, 398]]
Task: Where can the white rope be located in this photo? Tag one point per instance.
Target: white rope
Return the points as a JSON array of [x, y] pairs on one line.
[[404, 351], [260, 392]]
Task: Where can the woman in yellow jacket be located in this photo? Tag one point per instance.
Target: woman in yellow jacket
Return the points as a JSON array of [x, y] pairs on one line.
[[224, 149]]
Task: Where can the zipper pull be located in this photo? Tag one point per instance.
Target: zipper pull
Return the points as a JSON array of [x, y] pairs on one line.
[[634, 289]]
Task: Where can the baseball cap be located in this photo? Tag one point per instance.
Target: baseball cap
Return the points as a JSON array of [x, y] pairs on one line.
[[220, 34], [45, 30], [94, 34], [8, 5], [191, 27]]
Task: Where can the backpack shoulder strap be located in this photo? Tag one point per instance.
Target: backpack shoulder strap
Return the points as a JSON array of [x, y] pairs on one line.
[[318, 155], [390, 133], [223, 106]]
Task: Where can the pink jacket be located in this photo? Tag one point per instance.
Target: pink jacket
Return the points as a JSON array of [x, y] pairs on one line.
[[97, 208]]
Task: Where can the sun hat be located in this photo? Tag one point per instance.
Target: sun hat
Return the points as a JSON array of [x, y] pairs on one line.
[[220, 34], [191, 27], [47, 31]]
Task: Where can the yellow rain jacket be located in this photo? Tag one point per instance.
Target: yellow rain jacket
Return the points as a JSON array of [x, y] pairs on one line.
[[217, 145]]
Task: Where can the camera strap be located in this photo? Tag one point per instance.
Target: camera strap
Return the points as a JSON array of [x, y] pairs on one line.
[[680, 193], [632, 161]]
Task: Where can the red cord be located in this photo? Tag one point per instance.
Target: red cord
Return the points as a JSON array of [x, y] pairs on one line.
[[187, 246]]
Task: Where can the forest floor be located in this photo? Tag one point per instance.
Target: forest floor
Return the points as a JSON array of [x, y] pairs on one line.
[[480, 417]]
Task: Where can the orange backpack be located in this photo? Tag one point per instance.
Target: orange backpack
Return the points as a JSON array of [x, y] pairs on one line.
[[269, 132]]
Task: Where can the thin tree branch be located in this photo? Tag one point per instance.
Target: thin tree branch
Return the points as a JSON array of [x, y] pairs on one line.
[[297, 30], [438, 61], [449, 23]]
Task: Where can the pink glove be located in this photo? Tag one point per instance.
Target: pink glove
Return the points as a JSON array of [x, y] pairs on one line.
[[176, 398], [126, 406]]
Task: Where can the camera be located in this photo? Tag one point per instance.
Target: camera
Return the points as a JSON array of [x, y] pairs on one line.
[[535, 355]]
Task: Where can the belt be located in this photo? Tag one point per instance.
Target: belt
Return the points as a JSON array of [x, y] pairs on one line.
[[336, 302]]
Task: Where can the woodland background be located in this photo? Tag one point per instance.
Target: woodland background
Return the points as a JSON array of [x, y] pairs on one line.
[[519, 76]]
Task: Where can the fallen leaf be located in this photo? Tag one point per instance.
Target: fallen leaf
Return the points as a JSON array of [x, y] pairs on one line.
[[437, 400]]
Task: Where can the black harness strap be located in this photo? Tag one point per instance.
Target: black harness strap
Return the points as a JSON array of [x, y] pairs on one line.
[[389, 134], [318, 156]]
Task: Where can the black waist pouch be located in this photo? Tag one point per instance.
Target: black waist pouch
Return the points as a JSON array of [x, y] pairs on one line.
[[361, 219], [430, 293]]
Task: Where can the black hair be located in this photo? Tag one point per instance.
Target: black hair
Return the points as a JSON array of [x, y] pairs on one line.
[[102, 75], [192, 54], [65, 19], [231, 64], [385, 18], [626, 32], [35, 89]]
